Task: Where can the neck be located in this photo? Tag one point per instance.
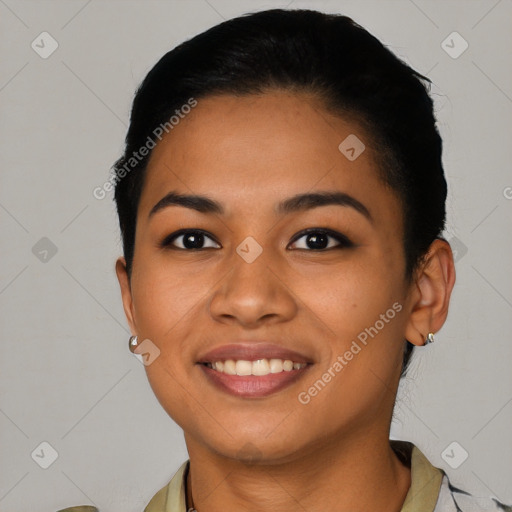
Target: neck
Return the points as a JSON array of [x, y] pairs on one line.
[[348, 475]]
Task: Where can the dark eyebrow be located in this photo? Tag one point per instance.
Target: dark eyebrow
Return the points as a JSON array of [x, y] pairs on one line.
[[296, 203], [201, 204], [322, 198]]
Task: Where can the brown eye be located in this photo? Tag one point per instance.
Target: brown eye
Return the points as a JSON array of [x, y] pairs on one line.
[[321, 239], [191, 239]]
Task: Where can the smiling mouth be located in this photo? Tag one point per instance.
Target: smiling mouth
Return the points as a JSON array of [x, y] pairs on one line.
[[258, 367], [253, 379]]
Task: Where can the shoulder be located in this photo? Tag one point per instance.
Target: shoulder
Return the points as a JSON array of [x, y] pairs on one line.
[[431, 489], [453, 499], [173, 495]]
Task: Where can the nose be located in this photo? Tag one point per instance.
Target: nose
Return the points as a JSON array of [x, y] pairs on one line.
[[252, 294]]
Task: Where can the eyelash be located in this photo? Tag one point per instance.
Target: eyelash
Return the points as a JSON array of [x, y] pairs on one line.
[[343, 241]]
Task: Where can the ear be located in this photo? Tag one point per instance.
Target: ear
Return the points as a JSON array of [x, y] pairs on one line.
[[126, 293], [431, 292]]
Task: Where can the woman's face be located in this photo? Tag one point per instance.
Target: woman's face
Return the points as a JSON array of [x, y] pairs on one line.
[[339, 300]]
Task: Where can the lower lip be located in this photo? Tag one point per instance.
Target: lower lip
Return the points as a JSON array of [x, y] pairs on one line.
[[252, 386]]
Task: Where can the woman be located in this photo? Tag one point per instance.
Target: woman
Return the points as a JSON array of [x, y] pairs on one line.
[[281, 200]]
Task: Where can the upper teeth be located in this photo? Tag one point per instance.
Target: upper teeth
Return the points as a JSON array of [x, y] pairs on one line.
[[258, 367]]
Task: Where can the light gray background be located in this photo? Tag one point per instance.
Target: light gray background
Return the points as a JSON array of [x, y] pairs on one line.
[[66, 374]]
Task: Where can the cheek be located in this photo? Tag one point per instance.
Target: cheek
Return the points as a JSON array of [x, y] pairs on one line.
[[361, 348], [164, 297], [166, 305], [358, 308], [349, 298]]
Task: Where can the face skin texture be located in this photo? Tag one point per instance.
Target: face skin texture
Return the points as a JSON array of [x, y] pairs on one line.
[[250, 153]]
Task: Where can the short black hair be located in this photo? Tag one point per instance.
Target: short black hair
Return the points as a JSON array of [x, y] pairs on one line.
[[329, 55]]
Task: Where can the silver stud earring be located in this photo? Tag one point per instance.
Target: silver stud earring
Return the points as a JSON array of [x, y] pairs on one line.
[[429, 338], [132, 344]]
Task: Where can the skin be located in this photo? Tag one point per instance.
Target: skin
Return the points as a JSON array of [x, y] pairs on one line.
[[249, 153]]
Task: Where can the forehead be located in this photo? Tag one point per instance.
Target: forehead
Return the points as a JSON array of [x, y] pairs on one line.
[[260, 148]]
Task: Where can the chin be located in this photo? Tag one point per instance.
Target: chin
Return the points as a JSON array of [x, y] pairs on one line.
[[257, 450]]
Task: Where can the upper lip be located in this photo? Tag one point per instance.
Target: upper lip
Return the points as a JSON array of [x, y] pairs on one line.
[[251, 351]]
